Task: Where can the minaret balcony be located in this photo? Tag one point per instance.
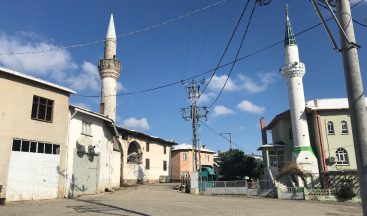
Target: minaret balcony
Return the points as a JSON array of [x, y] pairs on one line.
[[296, 69], [109, 68]]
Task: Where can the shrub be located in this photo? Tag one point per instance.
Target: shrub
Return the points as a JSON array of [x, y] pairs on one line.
[[345, 192]]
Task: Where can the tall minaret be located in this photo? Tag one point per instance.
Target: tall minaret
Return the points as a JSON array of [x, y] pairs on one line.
[[293, 71], [109, 70]]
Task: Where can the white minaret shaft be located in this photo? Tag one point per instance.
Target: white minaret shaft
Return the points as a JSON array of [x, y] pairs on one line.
[[293, 71], [109, 71]]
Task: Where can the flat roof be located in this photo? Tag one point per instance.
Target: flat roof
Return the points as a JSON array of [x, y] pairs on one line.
[[185, 146], [34, 79]]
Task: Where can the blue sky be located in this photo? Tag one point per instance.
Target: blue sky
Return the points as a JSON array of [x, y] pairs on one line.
[[188, 46]]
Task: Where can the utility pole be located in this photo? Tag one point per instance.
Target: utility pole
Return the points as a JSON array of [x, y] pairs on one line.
[[194, 113], [355, 91], [356, 98], [230, 139]]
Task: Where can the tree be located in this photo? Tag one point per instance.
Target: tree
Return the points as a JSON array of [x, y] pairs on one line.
[[234, 165]]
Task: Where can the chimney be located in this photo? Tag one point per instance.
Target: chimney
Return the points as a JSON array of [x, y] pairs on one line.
[[263, 131], [316, 102]]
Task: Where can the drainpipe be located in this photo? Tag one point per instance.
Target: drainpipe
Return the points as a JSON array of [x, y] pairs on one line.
[[319, 131], [67, 146]]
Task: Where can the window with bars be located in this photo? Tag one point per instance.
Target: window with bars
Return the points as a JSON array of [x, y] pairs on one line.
[[184, 156], [344, 127], [21, 145], [330, 127], [342, 156], [86, 128], [42, 109]]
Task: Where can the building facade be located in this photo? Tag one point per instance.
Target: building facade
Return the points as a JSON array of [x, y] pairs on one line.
[[94, 153], [33, 135], [330, 134], [182, 160], [145, 158]]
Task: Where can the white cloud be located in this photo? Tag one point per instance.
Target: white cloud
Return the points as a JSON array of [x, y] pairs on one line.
[[221, 110], [133, 123], [217, 82], [87, 79], [258, 85], [56, 63], [248, 106], [243, 83], [206, 97]]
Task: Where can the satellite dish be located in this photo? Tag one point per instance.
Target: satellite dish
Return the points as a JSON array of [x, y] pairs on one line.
[[84, 141]]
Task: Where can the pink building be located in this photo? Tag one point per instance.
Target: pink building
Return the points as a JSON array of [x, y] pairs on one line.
[[181, 159]]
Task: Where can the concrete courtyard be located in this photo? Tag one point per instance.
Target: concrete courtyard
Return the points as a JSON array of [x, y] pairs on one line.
[[161, 199]]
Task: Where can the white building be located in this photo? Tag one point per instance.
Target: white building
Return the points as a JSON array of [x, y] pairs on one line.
[[94, 153]]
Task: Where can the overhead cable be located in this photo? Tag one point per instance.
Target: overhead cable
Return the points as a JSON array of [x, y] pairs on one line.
[[121, 35], [210, 71]]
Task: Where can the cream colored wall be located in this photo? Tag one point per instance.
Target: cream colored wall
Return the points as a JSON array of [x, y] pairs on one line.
[[337, 140], [131, 172], [16, 96]]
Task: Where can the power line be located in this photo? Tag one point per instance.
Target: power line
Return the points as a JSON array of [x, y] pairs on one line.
[[225, 50], [238, 52], [224, 137], [169, 21], [221, 66]]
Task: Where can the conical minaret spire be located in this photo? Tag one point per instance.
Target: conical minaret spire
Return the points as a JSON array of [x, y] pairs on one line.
[[290, 39], [293, 71], [109, 71], [111, 32]]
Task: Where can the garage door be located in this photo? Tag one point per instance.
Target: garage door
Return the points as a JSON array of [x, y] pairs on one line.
[[33, 171]]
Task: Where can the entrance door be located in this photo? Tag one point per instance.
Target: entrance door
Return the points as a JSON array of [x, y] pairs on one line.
[[84, 179]]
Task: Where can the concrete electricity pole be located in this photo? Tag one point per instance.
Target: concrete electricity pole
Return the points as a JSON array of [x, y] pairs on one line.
[[194, 113], [356, 99], [353, 79]]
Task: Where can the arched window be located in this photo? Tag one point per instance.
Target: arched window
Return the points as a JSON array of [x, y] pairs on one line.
[[342, 156], [330, 127], [134, 153], [344, 126]]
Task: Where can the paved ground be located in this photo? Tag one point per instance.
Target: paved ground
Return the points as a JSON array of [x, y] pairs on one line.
[[161, 199]]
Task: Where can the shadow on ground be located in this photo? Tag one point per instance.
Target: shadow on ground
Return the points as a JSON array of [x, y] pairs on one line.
[[95, 206]]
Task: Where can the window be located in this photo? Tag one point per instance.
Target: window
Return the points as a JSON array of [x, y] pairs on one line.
[[276, 158], [86, 128], [208, 157], [16, 145], [164, 165], [147, 164], [184, 156], [164, 150], [342, 156], [147, 146], [35, 147], [330, 127], [290, 133], [344, 126], [42, 109]]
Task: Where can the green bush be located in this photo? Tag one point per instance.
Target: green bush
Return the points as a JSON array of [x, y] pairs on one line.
[[345, 192]]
